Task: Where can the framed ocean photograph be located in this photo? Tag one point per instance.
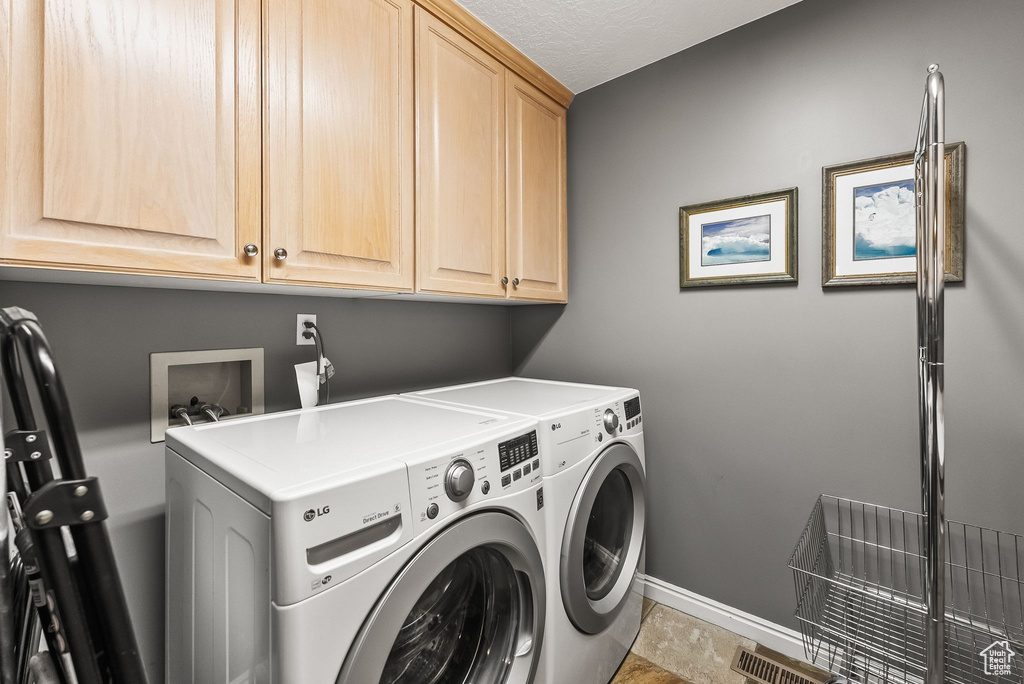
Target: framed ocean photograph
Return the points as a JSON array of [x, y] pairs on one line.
[[868, 220], [739, 241]]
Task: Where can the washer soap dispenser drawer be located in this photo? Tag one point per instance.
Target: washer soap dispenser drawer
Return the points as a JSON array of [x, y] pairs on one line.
[[322, 538], [350, 543]]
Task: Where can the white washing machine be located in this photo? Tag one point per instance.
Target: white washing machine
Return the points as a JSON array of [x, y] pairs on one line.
[[383, 541], [592, 455]]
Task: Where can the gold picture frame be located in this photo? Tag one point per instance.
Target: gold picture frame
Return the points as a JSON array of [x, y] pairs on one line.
[[762, 232], [835, 272]]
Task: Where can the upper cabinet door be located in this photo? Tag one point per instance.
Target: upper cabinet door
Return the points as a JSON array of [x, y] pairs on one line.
[[460, 162], [536, 194], [130, 136], [340, 143]]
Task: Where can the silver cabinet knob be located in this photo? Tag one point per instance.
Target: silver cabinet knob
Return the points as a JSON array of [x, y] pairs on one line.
[[504, 281], [515, 282], [458, 480], [280, 253], [611, 422], [251, 250]]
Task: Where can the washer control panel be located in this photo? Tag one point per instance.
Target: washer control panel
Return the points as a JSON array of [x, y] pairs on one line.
[[440, 486], [522, 449]]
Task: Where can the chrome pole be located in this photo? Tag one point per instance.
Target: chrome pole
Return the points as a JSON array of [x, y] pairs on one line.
[[929, 181]]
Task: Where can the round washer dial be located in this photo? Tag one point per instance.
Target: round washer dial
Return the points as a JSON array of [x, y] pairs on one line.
[[458, 480]]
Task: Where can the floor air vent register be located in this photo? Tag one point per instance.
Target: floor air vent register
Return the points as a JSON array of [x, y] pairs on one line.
[[765, 670]]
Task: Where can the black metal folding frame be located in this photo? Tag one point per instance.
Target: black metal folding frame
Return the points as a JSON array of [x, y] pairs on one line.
[[8, 649], [93, 624]]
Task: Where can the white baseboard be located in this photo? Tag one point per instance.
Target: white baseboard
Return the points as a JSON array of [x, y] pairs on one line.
[[770, 634]]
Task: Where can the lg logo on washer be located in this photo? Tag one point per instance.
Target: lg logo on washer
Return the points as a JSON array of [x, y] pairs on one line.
[[314, 513]]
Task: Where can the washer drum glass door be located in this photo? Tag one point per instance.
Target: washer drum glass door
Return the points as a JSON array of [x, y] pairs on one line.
[[603, 539], [469, 607]]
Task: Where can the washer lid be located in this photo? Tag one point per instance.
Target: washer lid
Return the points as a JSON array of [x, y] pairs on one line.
[[284, 455], [523, 396]]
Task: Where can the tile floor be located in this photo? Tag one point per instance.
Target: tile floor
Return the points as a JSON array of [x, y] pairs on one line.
[[675, 648]]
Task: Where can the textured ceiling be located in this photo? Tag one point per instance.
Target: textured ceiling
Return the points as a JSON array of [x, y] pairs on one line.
[[583, 43]]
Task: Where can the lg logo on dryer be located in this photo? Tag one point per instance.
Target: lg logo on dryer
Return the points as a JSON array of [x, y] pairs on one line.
[[555, 426], [314, 513]]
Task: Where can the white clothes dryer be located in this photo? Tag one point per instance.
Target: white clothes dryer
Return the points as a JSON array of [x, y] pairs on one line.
[[362, 543], [592, 455]]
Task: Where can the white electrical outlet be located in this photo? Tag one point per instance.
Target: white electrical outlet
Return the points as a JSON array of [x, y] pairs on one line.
[[299, 328]]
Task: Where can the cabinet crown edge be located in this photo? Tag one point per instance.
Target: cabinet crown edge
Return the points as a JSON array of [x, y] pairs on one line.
[[466, 23]]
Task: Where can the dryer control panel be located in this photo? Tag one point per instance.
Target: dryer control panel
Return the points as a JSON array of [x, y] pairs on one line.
[[442, 486], [608, 422], [631, 407], [568, 439]]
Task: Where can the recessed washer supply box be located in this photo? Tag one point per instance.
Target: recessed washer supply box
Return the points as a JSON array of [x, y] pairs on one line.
[[231, 378]]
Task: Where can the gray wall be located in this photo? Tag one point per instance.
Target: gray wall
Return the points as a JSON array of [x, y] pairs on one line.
[[102, 338], [757, 399]]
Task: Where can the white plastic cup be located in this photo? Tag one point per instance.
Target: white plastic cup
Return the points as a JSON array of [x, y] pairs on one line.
[[308, 381]]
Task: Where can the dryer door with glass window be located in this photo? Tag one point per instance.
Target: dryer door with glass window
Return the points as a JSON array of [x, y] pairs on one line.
[[603, 539], [469, 607]]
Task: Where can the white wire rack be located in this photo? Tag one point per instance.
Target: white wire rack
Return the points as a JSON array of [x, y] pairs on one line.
[[859, 572]]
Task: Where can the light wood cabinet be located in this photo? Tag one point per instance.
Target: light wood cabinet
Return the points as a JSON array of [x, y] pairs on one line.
[[130, 136], [491, 174], [395, 145], [460, 162], [338, 178], [536, 227]]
